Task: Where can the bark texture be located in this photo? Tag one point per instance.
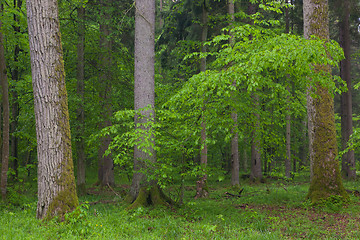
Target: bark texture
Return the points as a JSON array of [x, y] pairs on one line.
[[56, 182], [80, 143], [144, 89], [348, 160], [6, 121], [326, 178]]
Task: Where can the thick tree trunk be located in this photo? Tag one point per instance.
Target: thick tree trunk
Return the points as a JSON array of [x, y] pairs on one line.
[[326, 177], [143, 191], [348, 160], [105, 163], [201, 184], [6, 121], [56, 182], [80, 143]]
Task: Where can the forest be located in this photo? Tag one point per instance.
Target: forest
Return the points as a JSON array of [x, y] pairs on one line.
[[179, 119]]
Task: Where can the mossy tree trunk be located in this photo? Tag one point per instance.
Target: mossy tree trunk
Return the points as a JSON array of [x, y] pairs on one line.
[[6, 117], [56, 181], [142, 191], [326, 178]]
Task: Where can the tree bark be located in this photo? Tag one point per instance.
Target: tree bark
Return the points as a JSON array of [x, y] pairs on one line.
[[56, 181], [6, 121], [348, 160], [326, 177], [143, 191], [80, 143]]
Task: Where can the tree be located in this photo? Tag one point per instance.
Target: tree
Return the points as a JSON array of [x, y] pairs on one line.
[[201, 184], [348, 160], [235, 139], [326, 178], [80, 143], [105, 162], [6, 120], [256, 171], [142, 189], [56, 182]]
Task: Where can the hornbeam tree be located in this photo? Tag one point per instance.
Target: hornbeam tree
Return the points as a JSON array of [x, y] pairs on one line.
[[326, 178], [56, 182]]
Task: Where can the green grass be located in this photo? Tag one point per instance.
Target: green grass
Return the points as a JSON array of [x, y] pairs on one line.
[[271, 210]]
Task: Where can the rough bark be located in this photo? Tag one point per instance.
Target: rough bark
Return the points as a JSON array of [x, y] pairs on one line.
[[326, 178], [56, 181], [201, 184], [348, 160], [80, 143], [6, 120], [105, 163]]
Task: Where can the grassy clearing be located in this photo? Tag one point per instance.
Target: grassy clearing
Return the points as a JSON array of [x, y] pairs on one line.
[[271, 210]]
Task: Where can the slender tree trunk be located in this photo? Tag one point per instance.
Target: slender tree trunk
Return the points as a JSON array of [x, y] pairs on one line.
[[106, 164], [288, 117], [348, 161], [161, 21], [80, 143], [201, 184], [6, 121], [256, 171], [15, 74], [56, 181], [235, 139], [326, 177]]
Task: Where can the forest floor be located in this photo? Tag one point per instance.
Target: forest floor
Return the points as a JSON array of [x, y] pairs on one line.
[[276, 209]]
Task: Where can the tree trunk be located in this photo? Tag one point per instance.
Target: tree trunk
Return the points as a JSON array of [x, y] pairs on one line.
[[256, 172], [80, 143], [326, 177], [15, 104], [143, 191], [201, 184], [105, 163], [56, 181], [288, 117], [348, 160], [6, 121], [235, 139]]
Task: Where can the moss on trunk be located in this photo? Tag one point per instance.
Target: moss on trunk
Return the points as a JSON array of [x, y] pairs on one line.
[[147, 197], [326, 179]]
